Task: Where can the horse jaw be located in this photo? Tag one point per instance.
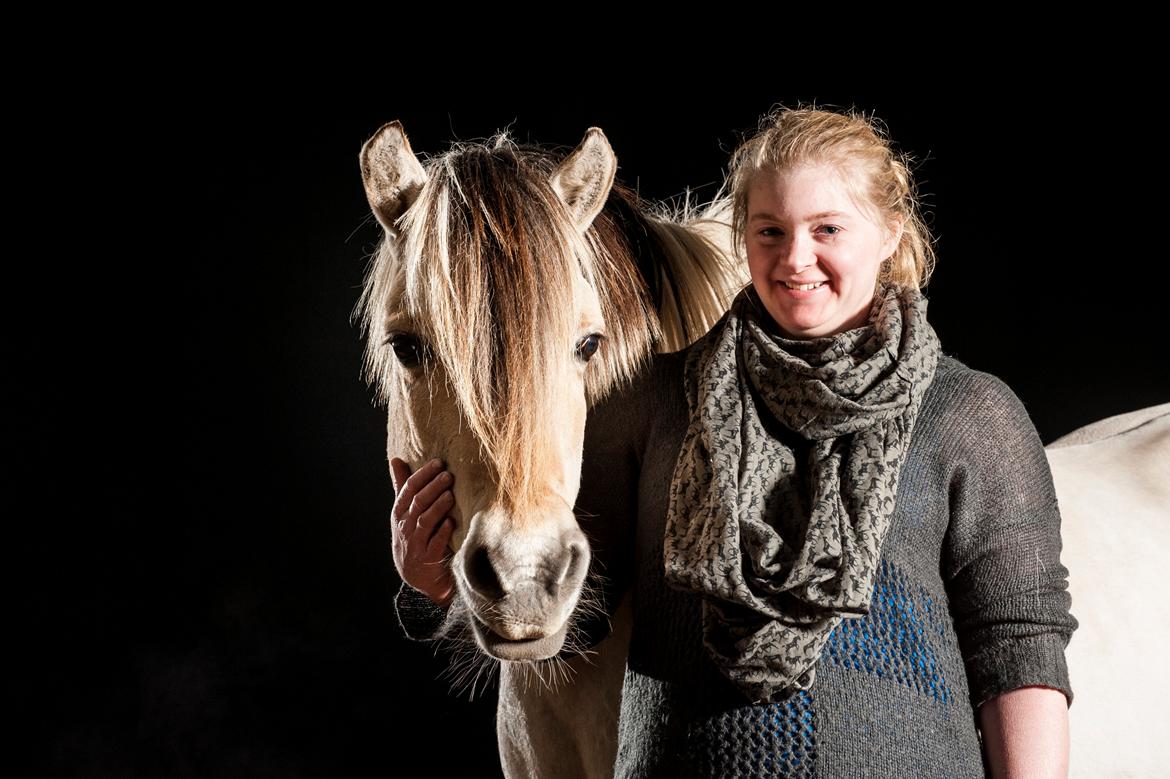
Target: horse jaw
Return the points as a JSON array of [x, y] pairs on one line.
[[422, 423]]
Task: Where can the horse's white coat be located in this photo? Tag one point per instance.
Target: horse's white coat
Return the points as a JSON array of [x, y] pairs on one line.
[[1113, 484]]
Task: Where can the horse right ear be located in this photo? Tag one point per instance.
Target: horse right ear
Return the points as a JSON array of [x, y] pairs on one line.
[[585, 177], [391, 174]]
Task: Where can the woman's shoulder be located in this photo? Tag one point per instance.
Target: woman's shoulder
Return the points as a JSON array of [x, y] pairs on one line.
[[975, 409], [966, 390]]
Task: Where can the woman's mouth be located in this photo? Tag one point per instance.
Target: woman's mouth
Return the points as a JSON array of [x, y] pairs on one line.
[[804, 287]]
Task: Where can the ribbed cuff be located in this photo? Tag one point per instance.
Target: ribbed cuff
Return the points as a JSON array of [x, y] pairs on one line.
[[420, 617], [1009, 664]]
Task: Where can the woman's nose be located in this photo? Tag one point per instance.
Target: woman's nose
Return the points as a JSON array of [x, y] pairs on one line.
[[795, 255]]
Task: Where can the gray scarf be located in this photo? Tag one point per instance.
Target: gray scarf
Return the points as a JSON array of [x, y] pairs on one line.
[[784, 487]]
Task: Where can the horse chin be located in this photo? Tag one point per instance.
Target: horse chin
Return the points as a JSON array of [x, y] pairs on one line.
[[519, 651]]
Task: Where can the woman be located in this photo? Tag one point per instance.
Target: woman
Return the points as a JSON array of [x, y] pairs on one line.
[[847, 543]]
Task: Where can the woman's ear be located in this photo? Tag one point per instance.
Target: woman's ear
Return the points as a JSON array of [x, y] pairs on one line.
[[894, 236]]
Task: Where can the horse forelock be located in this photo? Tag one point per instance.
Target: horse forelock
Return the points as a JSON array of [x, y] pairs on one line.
[[484, 269]]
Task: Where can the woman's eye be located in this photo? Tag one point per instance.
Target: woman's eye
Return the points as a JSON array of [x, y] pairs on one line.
[[770, 232], [587, 346], [408, 348], [831, 229]]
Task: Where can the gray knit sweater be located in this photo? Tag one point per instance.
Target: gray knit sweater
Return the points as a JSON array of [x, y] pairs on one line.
[[970, 600]]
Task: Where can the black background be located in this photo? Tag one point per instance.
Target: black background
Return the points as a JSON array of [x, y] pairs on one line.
[[212, 582]]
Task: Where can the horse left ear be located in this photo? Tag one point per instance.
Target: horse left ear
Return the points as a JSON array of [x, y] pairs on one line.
[[391, 174], [585, 177]]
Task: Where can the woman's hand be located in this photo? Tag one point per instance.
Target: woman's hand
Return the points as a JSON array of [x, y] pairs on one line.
[[422, 529]]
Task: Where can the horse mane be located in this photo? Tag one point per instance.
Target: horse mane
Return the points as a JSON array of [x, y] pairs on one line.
[[482, 271]]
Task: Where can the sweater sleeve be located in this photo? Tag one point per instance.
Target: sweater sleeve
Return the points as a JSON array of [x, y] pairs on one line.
[[1001, 557], [607, 502], [420, 617]]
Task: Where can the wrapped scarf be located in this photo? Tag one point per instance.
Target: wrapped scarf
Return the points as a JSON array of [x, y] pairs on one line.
[[784, 487]]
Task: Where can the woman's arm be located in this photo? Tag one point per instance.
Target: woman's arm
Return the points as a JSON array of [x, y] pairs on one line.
[[1006, 584], [1025, 733]]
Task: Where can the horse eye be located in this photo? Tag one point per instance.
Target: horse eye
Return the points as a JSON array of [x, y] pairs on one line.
[[408, 349], [587, 346]]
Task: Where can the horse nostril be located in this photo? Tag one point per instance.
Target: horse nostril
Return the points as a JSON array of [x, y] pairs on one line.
[[571, 562], [481, 576]]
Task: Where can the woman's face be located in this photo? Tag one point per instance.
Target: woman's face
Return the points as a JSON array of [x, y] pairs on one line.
[[803, 228]]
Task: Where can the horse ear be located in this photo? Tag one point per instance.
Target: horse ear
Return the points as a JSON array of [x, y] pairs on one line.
[[391, 174], [585, 177]]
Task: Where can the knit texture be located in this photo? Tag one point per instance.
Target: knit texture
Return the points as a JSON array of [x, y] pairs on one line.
[[421, 618], [969, 601]]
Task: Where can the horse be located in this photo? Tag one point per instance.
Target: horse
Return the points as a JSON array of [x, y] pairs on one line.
[[1112, 482], [511, 290]]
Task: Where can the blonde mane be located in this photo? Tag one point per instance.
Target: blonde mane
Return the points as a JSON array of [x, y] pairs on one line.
[[482, 271]]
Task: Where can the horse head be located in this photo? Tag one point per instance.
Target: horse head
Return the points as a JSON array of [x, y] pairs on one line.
[[502, 300]]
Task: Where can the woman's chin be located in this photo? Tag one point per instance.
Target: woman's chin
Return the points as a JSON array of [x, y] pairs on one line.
[[803, 328]]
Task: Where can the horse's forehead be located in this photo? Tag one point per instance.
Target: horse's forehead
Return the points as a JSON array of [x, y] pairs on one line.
[[588, 304], [397, 315]]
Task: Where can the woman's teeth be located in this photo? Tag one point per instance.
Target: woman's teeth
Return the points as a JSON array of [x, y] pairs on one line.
[[803, 286]]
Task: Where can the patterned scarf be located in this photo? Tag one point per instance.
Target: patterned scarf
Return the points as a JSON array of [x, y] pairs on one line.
[[784, 487]]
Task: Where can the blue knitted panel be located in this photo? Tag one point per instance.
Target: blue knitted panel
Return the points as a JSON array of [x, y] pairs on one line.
[[777, 740], [897, 639]]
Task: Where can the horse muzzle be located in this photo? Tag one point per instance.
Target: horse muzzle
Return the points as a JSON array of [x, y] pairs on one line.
[[522, 591]]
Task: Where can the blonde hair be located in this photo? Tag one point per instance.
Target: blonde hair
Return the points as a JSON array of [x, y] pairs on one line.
[[860, 149]]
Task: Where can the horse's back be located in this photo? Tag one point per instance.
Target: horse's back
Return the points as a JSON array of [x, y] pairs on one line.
[[1112, 427], [1112, 479]]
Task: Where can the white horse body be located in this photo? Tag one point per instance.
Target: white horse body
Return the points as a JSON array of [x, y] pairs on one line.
[[1113, 483]]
